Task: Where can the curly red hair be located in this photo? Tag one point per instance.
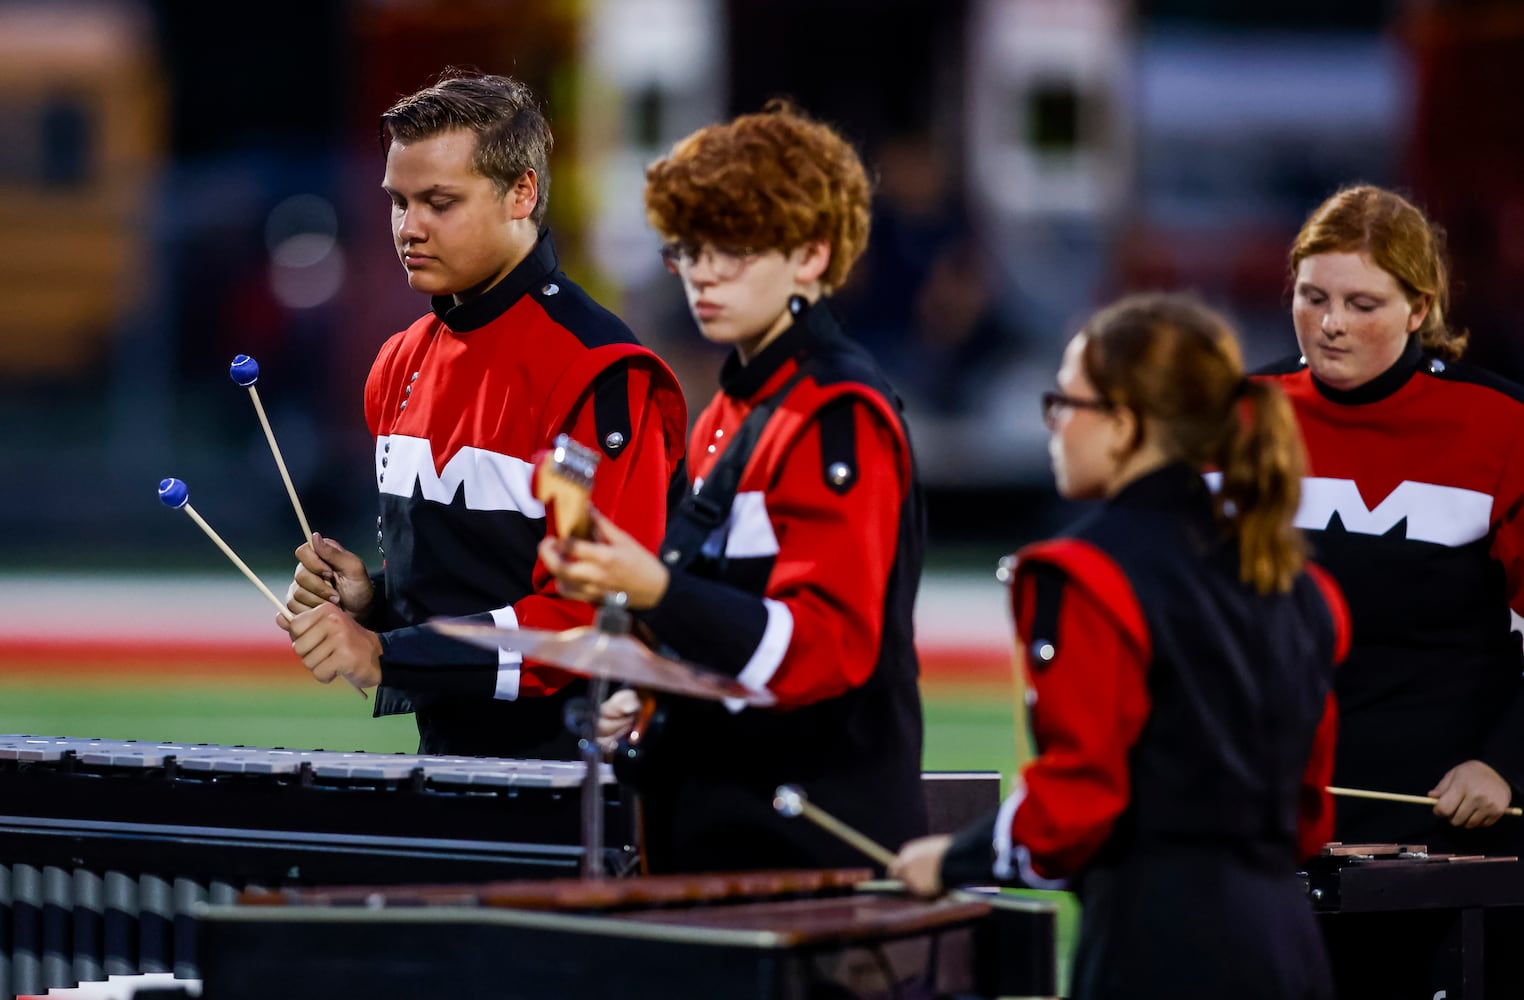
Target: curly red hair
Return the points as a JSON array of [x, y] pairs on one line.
[[773, 180]]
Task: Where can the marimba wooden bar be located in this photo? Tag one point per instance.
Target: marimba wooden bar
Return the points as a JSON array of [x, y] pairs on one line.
[[762, 935]]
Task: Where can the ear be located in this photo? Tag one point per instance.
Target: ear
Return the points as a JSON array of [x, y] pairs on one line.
[[814, 258], [523, 196], [1127, 431], [1420, 312]]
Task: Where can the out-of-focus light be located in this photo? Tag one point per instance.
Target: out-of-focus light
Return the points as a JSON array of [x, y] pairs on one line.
[[297, 284], [300, 214], [306, 263]]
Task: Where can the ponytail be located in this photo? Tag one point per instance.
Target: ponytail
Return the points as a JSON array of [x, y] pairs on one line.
[[1262, 462], [1177, 364]]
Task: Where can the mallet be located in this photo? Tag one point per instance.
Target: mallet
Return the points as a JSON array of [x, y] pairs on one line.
[[175, 494], [790, 801], [1417, 800], [245, 371]]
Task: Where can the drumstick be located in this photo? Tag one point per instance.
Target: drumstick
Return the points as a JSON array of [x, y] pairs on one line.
[[175, 494], [1420, 800], [245, 371], [790, 801]]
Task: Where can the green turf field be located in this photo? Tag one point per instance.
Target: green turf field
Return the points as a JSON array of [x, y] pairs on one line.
[[247, 713], [966, 728]]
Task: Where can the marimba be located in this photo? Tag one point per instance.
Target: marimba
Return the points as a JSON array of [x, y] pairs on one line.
[[108, 846], [1402, 923], [762, 935]]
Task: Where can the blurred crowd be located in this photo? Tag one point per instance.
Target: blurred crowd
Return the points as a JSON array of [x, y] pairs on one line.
[[224, 207]]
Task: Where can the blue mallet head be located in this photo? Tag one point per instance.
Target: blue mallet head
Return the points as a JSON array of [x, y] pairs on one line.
[[244, 370], [173, 493]]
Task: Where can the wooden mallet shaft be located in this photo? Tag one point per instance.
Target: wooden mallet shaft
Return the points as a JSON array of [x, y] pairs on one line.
[[1419, 800], [242, 566], [245, 371], [173, 493], [790, 800]]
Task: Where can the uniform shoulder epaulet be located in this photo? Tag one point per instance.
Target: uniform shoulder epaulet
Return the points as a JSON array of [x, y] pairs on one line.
[[1081, 564], [1461, 371], [569, 306], [611, 407], [837, 421], [1047, 583]]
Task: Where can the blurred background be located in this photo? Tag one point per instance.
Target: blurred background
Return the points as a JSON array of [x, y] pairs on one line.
[[181, 182]]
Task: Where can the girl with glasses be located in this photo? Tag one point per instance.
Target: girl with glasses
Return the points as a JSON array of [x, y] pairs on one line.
[[1181, 652], [793, 563]]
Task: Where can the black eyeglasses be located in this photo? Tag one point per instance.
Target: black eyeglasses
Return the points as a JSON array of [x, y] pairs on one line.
[[724, 263], [1052, 402]]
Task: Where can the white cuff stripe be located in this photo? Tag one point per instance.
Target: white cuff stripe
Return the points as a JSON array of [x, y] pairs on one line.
[[769, 654], [1015, 859], [1003, 819], [509, 663], [1030, 877]]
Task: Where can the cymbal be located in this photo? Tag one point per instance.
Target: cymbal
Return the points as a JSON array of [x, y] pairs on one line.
[[595, 652]]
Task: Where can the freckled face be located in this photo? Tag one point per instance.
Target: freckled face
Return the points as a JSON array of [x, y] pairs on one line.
[[1352, 318]]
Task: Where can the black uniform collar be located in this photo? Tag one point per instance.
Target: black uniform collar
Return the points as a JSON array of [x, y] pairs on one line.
[[1382, 385], [488, 306], [811, 323], [1174, 485]]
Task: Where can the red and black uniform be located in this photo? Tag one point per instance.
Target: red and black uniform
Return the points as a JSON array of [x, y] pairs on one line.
[[1184, 725], [805, 587], [459, 404], [1412, 501]]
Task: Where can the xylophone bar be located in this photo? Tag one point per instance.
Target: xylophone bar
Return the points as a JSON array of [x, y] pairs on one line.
[[582, 895], [107, 847]]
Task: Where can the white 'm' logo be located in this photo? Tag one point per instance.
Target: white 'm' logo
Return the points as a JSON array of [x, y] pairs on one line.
[[492, 481], [1445, 515]]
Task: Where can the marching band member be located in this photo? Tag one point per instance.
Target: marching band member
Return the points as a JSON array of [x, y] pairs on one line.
[[1413, 503], [793, 565], [511, 354], [1181, 657]]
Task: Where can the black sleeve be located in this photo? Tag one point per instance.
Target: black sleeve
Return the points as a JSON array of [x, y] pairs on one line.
[[970, 859], [710, 623], [417, 658], [376, 616]]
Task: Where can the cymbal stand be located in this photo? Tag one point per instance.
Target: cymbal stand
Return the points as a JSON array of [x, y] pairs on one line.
[[582, 718]]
